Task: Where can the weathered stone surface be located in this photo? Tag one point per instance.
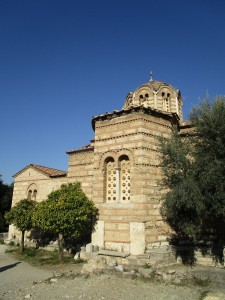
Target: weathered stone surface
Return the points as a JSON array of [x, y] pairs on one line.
[[171, 271], [111, 262], [93, 266], [137, 237], [119, 268], [113, 253], [145, 272], [77, 256], [98, 234], [89, 247]]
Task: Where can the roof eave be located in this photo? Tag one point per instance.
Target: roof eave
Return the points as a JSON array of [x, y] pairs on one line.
[[134, 109]]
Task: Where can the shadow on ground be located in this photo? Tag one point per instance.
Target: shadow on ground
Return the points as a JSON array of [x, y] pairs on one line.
[[2, 269]]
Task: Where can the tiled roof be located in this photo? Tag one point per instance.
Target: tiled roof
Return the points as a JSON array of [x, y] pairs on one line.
[[133, 109], [48, 171], [83, 148], [44, 170]]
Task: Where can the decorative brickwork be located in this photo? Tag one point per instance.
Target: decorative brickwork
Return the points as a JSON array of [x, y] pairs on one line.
[[111, 182]]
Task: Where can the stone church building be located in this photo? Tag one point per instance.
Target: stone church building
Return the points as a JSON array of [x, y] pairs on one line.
[[119, 170]]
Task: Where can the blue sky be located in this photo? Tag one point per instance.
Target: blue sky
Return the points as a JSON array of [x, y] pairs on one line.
[[64, 61]]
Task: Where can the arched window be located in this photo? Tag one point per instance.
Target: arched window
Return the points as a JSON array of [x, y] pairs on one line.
[[117, 180], [32, 192], [110, 179], [124, 178], [29, 196], [166, 101]]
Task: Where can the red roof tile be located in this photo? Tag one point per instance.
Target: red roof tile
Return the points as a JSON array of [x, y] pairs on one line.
[[45, 170]]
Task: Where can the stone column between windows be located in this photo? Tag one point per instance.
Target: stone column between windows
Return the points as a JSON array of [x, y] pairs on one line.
[[155, 99]]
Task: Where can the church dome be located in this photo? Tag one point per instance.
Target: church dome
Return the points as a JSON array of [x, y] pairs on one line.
[[156, 95]]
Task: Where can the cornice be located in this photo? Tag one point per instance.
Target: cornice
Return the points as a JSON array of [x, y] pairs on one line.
[[136, 109]]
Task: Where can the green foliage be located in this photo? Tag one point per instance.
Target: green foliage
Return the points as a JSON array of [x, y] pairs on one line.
[[11, 243], [194, 173], [6, 192], [182, 203], [203, 282], [203, 295], [2, 223], [176, 161], [67, 211], [41, 257], [209, 120], [147, 266], [21, 214]]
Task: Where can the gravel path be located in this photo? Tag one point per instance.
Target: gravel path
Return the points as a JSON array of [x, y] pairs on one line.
[[19, 280], [14, 274]]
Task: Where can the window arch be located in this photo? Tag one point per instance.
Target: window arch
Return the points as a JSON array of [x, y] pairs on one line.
[[32, 192], [124, 164], [29, 195], [110, 179], [117, 179], [166, 101]]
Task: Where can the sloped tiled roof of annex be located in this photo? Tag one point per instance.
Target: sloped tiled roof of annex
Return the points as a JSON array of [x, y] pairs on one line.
[[44, 170], [83, 148]]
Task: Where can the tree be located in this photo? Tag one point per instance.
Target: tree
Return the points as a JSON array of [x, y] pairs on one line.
[[21, 216], [6, 192], [1, 222], [67, 212], [194, 173], [182, 204], [209, 168]]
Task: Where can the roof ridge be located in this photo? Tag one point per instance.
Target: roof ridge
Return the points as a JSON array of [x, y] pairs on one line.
[[35, 165]]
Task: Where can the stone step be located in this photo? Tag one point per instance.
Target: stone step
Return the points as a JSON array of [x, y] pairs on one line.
[[113, 253]]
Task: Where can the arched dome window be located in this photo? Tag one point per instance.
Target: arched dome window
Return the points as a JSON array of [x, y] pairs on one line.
[[156, 95], [166, 101]]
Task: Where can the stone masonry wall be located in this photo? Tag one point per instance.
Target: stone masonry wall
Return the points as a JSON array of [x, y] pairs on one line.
[[135, 135], [80, 168], [43, 184]]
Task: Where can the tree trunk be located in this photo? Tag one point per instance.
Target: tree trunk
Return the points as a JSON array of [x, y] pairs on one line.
[[60, 246], [22, 242]]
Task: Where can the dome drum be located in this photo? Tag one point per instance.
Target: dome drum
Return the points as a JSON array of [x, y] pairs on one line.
[[156, 95]]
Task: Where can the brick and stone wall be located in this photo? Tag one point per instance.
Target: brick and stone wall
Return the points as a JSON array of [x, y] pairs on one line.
[[136, 136]]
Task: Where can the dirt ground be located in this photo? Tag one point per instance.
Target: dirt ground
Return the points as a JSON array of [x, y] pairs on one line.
[[19, 280]]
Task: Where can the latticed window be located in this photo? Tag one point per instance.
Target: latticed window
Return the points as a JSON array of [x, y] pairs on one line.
[[125, 181], [118, 180], [111, 182]]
